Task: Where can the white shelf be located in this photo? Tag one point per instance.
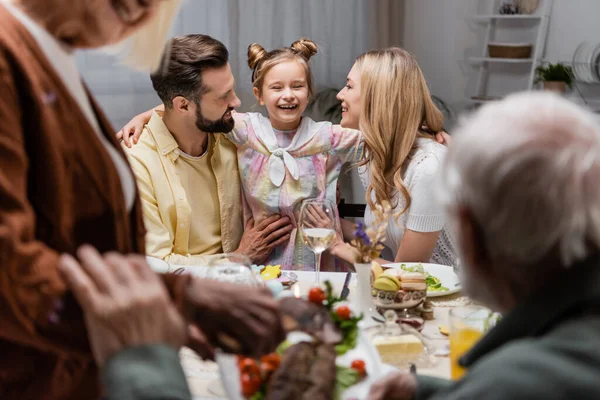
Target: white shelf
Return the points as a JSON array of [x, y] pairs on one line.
[[487, 17], [501, 60], [491, 22]]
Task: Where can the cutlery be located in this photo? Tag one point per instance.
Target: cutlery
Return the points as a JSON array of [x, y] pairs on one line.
[[345, 289]]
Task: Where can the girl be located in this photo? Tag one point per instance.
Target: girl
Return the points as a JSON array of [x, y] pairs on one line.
[[386, 96], [287, 158]]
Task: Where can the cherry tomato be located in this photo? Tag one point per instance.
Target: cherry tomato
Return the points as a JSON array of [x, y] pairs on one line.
[[359, 366], [316, 295], [249, 366], [272, 359], [250, 384], [343, 312]]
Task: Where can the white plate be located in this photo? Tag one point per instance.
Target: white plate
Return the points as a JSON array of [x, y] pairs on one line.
[[445, 274], [364, 350]]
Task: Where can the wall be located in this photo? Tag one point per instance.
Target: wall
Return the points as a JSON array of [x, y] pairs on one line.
[[573, 21], [342, 28], [439, 35]]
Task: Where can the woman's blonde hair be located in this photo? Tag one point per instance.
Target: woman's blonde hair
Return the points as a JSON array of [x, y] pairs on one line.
[[261, 61], [395, 105]]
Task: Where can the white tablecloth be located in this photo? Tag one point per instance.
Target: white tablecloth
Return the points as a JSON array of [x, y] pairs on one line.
[[203, 377]]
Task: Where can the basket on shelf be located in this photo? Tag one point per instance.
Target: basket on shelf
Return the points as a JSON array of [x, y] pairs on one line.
[[509, 50], [528, 6]]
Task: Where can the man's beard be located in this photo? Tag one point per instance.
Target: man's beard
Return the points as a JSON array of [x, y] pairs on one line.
[[223, 125]]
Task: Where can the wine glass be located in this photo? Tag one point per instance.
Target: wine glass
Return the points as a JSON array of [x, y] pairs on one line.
[[318, 225], [232, 268]]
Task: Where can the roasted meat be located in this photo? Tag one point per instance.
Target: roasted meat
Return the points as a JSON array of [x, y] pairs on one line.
[[307, 371], [322, 374]]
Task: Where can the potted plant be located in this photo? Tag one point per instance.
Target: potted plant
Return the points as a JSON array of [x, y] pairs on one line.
[[556, 77]]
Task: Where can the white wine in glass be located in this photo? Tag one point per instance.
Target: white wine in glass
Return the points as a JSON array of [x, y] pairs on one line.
[[319, 239], [318, 224]]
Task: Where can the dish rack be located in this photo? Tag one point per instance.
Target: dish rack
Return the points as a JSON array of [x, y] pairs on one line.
[[586, 63], [586, 71]]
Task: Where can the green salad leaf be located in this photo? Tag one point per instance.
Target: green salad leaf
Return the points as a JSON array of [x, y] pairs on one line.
[[283, 346], [344, 378], [349, 330], [415, 268]]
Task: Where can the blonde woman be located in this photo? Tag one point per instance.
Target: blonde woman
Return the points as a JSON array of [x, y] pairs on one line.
[[387, 98]]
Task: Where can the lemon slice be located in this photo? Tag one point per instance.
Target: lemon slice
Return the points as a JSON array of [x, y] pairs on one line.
[[444, 330], [271, 272]]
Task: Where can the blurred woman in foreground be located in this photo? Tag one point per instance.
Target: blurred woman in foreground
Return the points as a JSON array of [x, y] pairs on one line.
[[65, 182]]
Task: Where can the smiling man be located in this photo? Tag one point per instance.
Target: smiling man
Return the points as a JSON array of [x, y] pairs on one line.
[[187, 171]]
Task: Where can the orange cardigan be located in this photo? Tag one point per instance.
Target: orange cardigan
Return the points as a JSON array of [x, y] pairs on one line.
[[58, 189]]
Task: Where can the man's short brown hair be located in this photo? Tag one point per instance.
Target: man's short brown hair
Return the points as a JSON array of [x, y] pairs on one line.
[[184, 59]]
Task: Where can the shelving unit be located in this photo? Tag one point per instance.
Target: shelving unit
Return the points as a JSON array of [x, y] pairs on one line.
[[541, 18]]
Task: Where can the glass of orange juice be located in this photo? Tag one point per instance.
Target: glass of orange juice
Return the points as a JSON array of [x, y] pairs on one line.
[[467, 326]]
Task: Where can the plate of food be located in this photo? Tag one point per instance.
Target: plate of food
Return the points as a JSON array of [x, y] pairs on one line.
[[440, 279], [325, 355]]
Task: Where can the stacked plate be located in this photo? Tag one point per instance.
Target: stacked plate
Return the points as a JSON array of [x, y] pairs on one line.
[[586, 62]]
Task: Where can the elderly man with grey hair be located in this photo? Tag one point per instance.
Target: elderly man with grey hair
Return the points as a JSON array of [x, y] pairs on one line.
[[522, 190]]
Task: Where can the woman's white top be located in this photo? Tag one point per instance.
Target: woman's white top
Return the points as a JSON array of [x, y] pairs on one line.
[[426, 213]]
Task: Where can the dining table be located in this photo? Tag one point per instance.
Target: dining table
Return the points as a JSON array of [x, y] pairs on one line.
[[204, 378]]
